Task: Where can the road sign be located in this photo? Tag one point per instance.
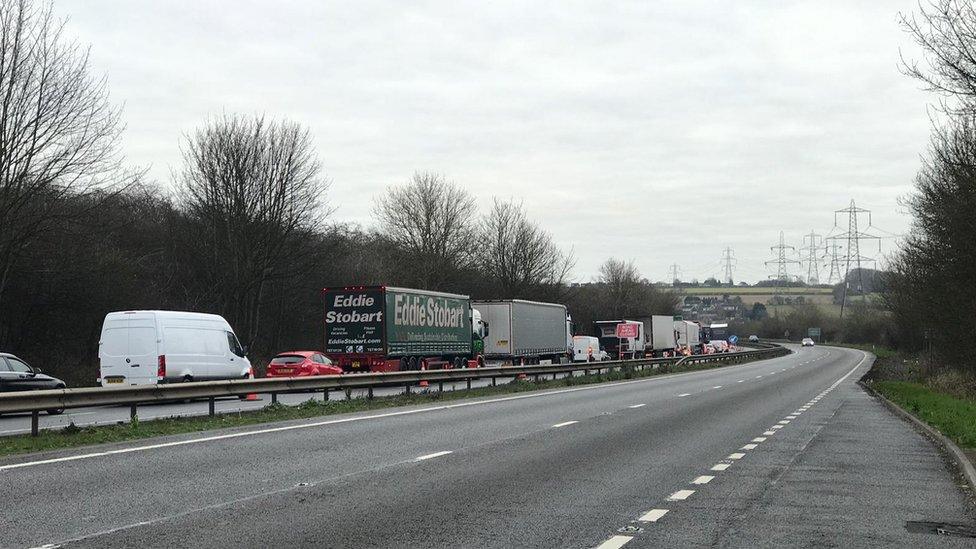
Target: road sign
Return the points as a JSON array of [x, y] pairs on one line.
[[628, 329], [813, 332], [733, 339]]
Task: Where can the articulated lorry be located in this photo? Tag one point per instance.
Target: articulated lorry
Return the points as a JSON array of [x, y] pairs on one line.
[[529, 332], [620, 348], [386, 329]]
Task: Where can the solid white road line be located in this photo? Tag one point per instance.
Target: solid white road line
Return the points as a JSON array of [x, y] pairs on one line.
[[737, 455], [637, 405], [615, 542], [704, 479], [434, 455], [721, 466], [749, 447], [653, 515], [680, 495], [565, 423]]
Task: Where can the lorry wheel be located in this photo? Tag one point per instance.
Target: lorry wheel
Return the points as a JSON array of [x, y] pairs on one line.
[[414, 364], [458, 363], [404, 364]]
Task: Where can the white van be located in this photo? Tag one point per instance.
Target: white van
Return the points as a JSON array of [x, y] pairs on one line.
[[150, 347], [583, 346]]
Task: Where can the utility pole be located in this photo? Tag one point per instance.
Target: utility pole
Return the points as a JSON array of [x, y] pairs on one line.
[[853, 257], [729, 262], [782, 262], [675, 272], [811, 242]]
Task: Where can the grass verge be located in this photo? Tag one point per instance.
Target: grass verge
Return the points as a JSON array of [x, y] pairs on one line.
[[954, 417], [73, 436]]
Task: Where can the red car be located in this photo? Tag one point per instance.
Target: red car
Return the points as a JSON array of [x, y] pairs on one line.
[[302, 363]]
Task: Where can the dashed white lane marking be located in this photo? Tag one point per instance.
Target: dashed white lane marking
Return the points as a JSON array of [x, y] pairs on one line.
[[684, 394], [680, 495], [740, 381], [750, 447], [737, 455], [615, 542], [792, 416], [759, 439], [653, 515], [704, 479], [769, 433], [717, 387], [637, 405], [758, 377], [784, 422], [776, 427], [565, 423], [434, 455], [720, 466]]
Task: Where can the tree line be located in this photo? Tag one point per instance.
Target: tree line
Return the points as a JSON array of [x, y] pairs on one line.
[[247, 231]]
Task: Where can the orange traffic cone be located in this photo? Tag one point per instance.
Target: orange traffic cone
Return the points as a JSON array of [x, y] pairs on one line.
[[251, 396], [423, 368]]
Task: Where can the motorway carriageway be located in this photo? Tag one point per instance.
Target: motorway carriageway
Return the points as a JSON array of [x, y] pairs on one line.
[[782, 452]]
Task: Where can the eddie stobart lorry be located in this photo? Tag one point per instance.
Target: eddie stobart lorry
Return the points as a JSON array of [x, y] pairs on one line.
[[387, 329]]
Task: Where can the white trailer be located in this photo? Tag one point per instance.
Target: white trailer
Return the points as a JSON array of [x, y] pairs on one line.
[[689, 335], [525, 330], [663, 337]]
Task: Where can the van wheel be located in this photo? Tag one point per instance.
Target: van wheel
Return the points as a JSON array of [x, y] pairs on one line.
[[187, 379], [55, 412]]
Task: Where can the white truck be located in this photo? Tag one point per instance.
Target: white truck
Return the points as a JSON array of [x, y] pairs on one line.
[[689, 337], [663, 337], [622, 348], [526, 331]]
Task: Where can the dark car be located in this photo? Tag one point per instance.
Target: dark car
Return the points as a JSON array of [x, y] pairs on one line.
[[17, 375]]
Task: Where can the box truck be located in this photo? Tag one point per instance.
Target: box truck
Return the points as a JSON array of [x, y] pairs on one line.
[[527, 332], [387, 329], [689, 337], [663, 339]]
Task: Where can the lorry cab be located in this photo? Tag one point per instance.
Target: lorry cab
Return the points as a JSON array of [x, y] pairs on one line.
[[152, 347]]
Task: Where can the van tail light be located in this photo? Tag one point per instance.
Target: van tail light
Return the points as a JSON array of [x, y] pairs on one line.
[[161, 367]]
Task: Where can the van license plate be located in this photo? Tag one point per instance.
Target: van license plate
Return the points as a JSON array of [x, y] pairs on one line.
[[113, 380], [355, 365]]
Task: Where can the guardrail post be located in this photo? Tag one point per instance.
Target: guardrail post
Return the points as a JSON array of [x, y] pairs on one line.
[[406, 389], [274, 398], [210, 406], [469, 383], [325, 394], [369, 393], [35, 418], [493, 381], [536, 378], [133, 412]]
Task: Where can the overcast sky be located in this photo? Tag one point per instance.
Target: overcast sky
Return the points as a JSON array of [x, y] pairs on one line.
[[658, 132]]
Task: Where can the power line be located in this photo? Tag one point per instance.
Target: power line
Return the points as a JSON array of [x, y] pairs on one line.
[[853, 256], [729, 262], [675, 271], [782, 262], [809, 249], [832, 251]]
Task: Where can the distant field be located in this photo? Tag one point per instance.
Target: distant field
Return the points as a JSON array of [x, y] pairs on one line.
[[740, 290]]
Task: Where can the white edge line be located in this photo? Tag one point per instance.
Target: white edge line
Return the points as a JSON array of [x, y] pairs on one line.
[[565, 423], [434, 455]]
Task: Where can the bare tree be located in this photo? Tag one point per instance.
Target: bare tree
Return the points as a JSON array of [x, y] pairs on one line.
[[520, 257], [946, 32], [58, 132], [431, 221], [254, 192], [623, 284]]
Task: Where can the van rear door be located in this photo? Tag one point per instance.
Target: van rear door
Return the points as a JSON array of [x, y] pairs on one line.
[[128, 349]]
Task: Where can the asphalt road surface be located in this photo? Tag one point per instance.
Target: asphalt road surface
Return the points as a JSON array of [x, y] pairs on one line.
[[784, 452]]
